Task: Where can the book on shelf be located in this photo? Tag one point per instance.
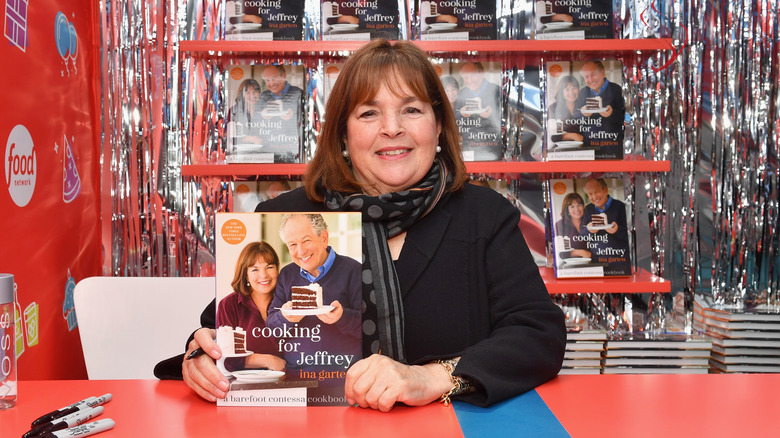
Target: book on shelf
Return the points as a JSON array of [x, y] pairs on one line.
[[474, 92], [564, 19], [656, 370], [662, 341], [705, 307], [744, 351], [727, 342], [746, 359], [573, 345], [588, 354], [247, 194], [586, 335], [590, 239], [264, 20], [360, 21], [568, 371], [743, 334], [657, 353], [285, 355], [264, 118], [725, 324], [581, 362], [743, 368], [656, 361], [442, 20], [585, 110]]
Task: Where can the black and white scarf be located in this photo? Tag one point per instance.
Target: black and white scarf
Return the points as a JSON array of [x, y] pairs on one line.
[[386, 216]]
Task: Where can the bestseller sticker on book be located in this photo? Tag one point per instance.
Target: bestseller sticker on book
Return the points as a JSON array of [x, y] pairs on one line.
[[289, 327]]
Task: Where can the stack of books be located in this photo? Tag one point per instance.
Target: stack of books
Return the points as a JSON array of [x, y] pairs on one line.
[[584, 348], [656, 354], [745, 339]]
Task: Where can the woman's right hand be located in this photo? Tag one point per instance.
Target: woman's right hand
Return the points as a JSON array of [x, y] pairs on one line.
[[201, 373]]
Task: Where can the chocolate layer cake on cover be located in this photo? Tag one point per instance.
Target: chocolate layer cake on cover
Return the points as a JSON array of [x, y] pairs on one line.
[[598, 220], [593, 103], [231, 341], [306, 297], [274, 106], [473, 104]]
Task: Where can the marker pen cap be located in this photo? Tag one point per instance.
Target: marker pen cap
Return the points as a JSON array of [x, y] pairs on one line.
[[8, 317]]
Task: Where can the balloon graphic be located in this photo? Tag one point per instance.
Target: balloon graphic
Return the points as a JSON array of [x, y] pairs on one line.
[[62, 35], [74, 42]]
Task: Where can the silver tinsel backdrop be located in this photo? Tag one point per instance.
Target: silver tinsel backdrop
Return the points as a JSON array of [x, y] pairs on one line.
[[711, 107]]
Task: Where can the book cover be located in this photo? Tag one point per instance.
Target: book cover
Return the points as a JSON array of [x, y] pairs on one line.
[[586, 110], [574, 19], [360, 20], [442, 20], [264, 122], [247, 194], [476, 97], [589, 228], [288, 330], [264, 20]]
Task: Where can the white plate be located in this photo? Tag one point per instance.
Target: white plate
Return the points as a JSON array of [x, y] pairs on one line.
[[592, 111], [247, 26], [568, 144], [443, 26], [600, 227], [576, 261], [555, 25], [257, 376], [344, 26], [307, 312]]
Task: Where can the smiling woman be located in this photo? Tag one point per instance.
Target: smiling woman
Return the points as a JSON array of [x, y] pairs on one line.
[[452, 301]]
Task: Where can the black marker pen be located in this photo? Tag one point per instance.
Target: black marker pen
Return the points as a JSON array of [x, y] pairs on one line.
[[195, 353], [86, 429], [65, 422], [90, 402]]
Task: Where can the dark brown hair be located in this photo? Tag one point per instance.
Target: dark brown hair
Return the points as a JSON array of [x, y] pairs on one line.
[[373, 65], [249, 255]]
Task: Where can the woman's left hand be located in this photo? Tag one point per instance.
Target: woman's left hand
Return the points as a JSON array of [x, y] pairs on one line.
[[379, 382]]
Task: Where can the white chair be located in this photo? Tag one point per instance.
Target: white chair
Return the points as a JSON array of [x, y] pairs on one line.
[[128, 324]]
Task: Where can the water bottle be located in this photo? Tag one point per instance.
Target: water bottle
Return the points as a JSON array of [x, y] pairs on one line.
[[7, 343]]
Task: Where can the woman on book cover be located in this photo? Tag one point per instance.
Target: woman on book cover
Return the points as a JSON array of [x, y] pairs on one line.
[[254, 282], [244, 115], [570, 224], [565, 110], [446, 312]]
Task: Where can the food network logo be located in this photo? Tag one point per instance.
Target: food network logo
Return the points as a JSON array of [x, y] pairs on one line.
[[20, 165]]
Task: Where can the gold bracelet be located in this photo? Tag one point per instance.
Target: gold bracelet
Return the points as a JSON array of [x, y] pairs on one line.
[[460, 385]]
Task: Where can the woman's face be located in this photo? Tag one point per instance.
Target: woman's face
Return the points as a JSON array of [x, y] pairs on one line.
[[570, 92], [576, 209], [262, 276], [392, 140], [251, 94]]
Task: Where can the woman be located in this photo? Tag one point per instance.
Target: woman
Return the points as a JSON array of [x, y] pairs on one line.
[[565, 110], [245, 114], [254, 281], [465, 313], [570, 224]]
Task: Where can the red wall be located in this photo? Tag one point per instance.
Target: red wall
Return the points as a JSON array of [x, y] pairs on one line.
[[49, 195]]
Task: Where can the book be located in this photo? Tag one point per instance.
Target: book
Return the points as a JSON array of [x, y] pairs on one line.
[[656, 370], [565, 19], [572, 345], [726, 324], [743, 368], [582, 354], [656, 353], [585, 110], [581, 362], [726, 342], [477, 99], [579, 370], [746, 360], [286, 355], [459, 20], [586, 335], [743, 334], [264, 20], [667, 341], [264, 119], [360, 21], [744, 351], [590, 239], [247, 194], [656, 361], [705, 307]]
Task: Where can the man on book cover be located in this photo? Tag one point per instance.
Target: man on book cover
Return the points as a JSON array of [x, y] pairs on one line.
[[280, 106], [603, 107], [336, 343], [607, 237], [478, 114]]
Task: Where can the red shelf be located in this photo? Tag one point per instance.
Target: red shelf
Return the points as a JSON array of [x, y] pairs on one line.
[[630, 164], [500, 46], [641, 282]]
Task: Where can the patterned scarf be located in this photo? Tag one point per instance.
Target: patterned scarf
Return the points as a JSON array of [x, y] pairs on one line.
[[386, 216]]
